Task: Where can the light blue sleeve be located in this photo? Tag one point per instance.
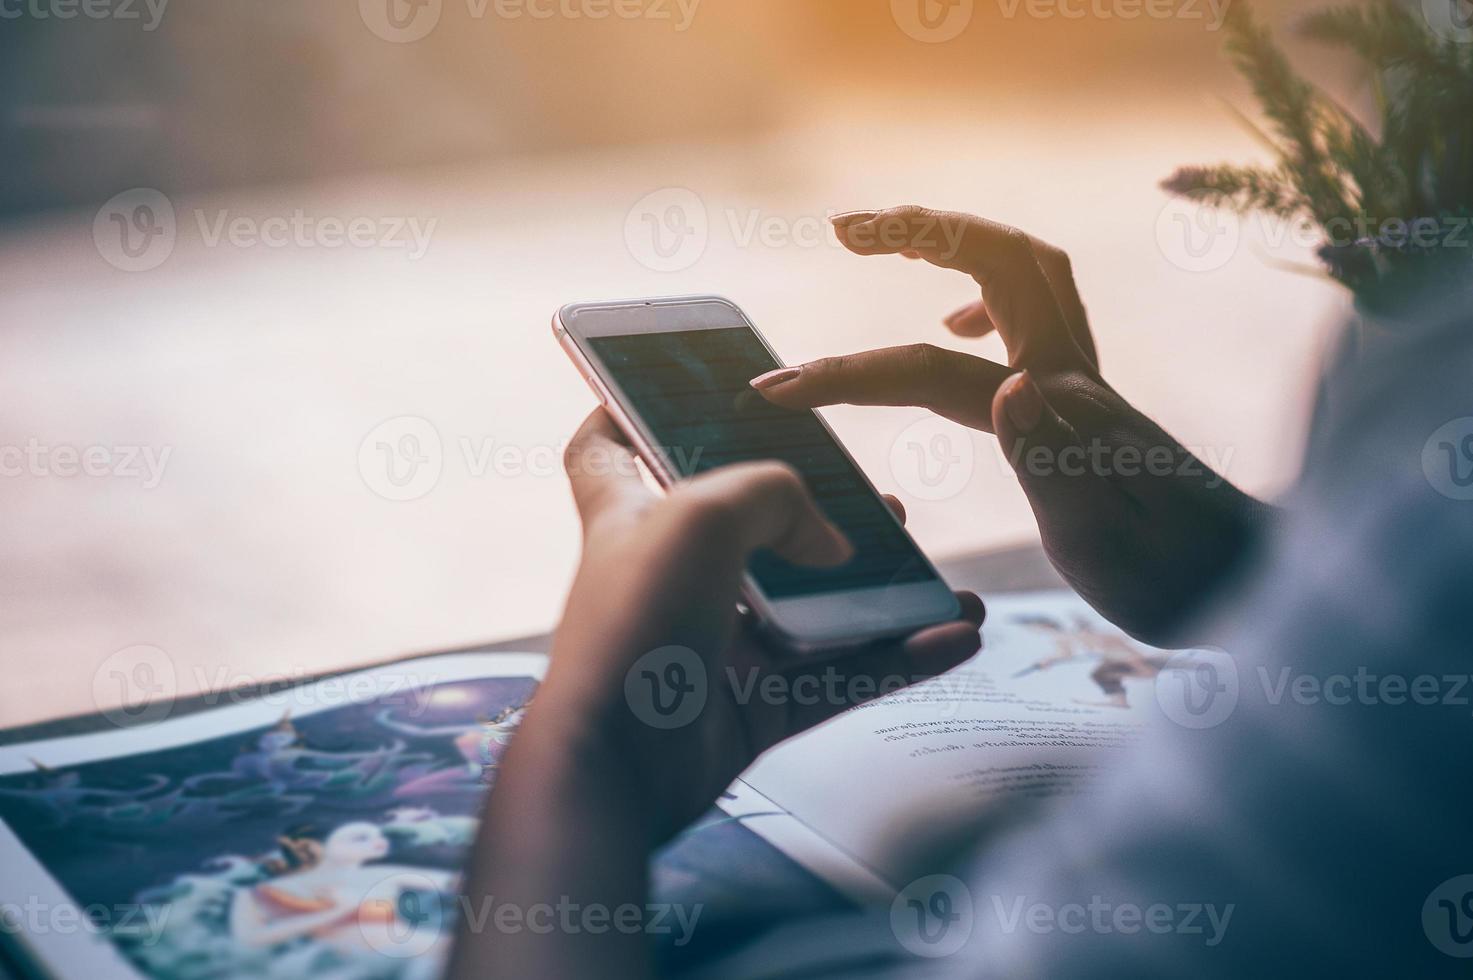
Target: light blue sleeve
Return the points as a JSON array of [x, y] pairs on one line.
[[1319, 824]]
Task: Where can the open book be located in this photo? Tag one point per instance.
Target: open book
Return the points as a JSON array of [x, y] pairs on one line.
[[876, 797], [322, 830]]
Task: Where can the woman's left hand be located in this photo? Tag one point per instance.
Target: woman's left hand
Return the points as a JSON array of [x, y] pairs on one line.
[[658, 696], [654, 672]]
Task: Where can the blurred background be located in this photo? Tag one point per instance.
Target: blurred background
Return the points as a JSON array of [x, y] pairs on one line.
[[280, 393]]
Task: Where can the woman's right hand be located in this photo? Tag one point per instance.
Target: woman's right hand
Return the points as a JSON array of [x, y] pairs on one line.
[[1140, 527]]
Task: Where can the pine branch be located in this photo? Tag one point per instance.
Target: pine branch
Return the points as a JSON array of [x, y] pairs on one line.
[[1251, 127], [1420, 78], [1292, 105], [1378, 188], [1386, 35], [1241, 189], [1334, 169]]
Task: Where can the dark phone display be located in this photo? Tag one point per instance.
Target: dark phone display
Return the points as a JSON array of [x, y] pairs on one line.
[[690, 388]]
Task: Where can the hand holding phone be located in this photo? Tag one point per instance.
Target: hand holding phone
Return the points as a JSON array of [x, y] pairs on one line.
[[675, 375]]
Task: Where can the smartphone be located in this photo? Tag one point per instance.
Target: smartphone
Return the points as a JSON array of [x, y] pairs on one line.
[[674, 375]]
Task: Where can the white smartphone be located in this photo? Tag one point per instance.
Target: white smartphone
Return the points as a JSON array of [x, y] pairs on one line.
[[674, 375]]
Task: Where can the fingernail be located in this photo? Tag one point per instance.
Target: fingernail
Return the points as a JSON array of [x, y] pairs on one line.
[[1023, 403], [774, 378], [853, 217]]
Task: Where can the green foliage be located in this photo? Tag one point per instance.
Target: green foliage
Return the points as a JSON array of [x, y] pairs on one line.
[[1416, 165]]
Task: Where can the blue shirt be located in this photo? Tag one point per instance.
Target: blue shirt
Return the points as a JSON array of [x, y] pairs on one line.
[[1321, 826]]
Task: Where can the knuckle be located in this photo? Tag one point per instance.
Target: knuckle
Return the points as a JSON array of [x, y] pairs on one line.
[[730, 494], [698, 511], [1017, 245], [1067, 387], [775, 478], [908, 220], [921, 354], [927, 359], [575, 459], [1049, 250], [939, 368], [955, 224], [1054, 259], [824, 368]]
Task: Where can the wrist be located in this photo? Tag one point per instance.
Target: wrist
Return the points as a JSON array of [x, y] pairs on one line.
[[1238, 543], [581, 747]]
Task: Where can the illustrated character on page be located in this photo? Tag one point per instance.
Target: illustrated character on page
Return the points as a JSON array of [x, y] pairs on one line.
[[1119, 658]]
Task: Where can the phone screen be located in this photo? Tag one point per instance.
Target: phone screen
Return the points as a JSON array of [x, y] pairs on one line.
[[690, 389]]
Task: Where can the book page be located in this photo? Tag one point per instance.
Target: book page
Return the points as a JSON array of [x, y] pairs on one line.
[[318, 830], [1056, 695]]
